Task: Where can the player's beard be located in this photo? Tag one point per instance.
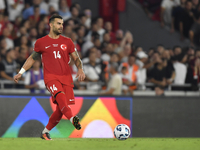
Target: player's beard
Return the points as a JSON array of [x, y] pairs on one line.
[[56, 31]]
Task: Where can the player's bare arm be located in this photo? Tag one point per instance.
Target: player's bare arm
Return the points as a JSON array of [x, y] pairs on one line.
[[27, 65], [80, 74]]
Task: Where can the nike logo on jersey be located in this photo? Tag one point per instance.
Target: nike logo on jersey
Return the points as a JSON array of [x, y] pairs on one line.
[[47, 46], [71, 100]]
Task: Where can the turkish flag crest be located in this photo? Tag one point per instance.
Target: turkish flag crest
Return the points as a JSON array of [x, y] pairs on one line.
[[63, 47]]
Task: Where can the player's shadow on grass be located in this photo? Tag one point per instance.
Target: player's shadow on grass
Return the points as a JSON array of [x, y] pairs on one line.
[[31, 128]]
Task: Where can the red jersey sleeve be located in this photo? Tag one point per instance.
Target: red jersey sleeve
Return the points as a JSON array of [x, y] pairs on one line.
[[72, 47], [37, 47]]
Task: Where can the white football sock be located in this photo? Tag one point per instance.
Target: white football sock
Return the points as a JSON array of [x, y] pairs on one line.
[[71, 119], [45, 131]]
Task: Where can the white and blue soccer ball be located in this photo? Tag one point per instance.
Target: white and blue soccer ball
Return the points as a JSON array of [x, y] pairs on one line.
[[122, 132]]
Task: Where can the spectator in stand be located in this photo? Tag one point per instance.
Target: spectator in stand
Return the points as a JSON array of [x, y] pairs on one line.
[[97, 44], [160, 49], [24, 41], [158, 76], [170, 72], [108, 28], [2, 23], [125, 53], [127, 39], [89, 44], [194, 55], [71, 23], [77, 5], [6, 34], [16, 27], [33, 36], [2, 6], [64, 10], [179, 54], [34, 79], [126, 81], [41, 29], [100, 29], [88, 15], [93, 29], [106, 39], [22, 31], [15, 8], [190, 54], [179, 66], [151, 52], [7, 21], [23, 54], [194, 33], [114, 58], [132, 69], [107, 52], [45, 19], [176, 15], [35, 18], [186, 21], [30, 11], [81, 35], [115, 82], [52, 10], [74, 38], [45, 4], [83, 19], [195, 4], [3, 47], [143, 64], [26, 27], [2, 68], [10, 65], [166, 11], [93, 72], [193, 75], [67, 30], [152, 8], [74, 15], [91, 50]]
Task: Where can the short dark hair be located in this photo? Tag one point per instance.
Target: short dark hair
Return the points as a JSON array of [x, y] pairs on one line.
[[53, 17], [177, 46], [115, 66], [72, 7], [36, 6], [123, 68]]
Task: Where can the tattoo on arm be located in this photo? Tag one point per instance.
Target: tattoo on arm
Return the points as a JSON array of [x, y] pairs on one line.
[[35, 55], [78, 61]]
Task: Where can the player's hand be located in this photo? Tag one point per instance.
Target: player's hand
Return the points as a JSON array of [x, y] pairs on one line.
[[80, 75], [17, 77]]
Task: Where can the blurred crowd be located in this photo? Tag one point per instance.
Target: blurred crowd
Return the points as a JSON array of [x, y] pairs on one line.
[[182, 16], [111, 59]]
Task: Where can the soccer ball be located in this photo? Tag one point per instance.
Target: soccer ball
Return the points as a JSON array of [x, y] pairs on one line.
[[122, 132]]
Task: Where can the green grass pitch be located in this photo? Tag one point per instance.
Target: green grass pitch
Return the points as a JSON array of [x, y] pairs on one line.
[[100, 144]]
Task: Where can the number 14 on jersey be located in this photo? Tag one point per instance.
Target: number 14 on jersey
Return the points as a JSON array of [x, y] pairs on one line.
[[57, 55]]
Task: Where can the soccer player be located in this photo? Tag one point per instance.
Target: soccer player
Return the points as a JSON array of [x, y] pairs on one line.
[[56, 50]]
